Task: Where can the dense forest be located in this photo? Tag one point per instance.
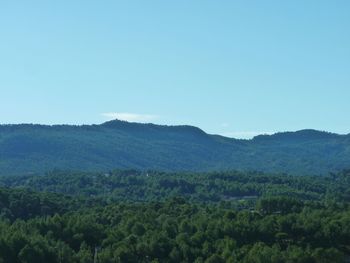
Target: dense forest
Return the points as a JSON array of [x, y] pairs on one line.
[[149, 216], [27, 148], [140, 186]]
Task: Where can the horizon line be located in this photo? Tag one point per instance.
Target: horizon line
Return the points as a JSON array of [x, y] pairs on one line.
[[244, 134]]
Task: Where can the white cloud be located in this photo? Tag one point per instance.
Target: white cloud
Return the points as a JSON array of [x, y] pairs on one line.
[[244, 134], [131, 117], [225, 124]]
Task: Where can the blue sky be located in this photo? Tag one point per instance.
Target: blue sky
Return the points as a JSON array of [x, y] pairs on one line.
[[237, 68]]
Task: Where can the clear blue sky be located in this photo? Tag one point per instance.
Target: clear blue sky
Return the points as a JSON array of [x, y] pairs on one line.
[[230, 67]]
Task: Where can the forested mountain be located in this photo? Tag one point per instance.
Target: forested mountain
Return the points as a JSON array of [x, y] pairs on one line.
[[30, 148]]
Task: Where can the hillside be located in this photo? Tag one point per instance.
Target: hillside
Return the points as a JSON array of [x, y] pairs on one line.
[[29, 148]]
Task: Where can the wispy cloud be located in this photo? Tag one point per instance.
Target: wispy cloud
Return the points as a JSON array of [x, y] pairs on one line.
[[244, 134], [131, 117]]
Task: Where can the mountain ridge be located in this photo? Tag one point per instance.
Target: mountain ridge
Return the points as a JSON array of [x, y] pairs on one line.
[[122, 124], [119, 144]]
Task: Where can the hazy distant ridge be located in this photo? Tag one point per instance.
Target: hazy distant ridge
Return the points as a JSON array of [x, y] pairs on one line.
[[117, 144]]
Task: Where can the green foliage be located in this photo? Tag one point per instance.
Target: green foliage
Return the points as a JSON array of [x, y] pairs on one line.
[[199, 234], [25, 204], [293, 219], [240, 188]]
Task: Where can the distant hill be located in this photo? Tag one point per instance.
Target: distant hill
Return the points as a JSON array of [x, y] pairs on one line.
[[28, 148]]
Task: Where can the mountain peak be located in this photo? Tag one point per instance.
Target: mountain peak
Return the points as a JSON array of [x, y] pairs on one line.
[[125, 125]]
